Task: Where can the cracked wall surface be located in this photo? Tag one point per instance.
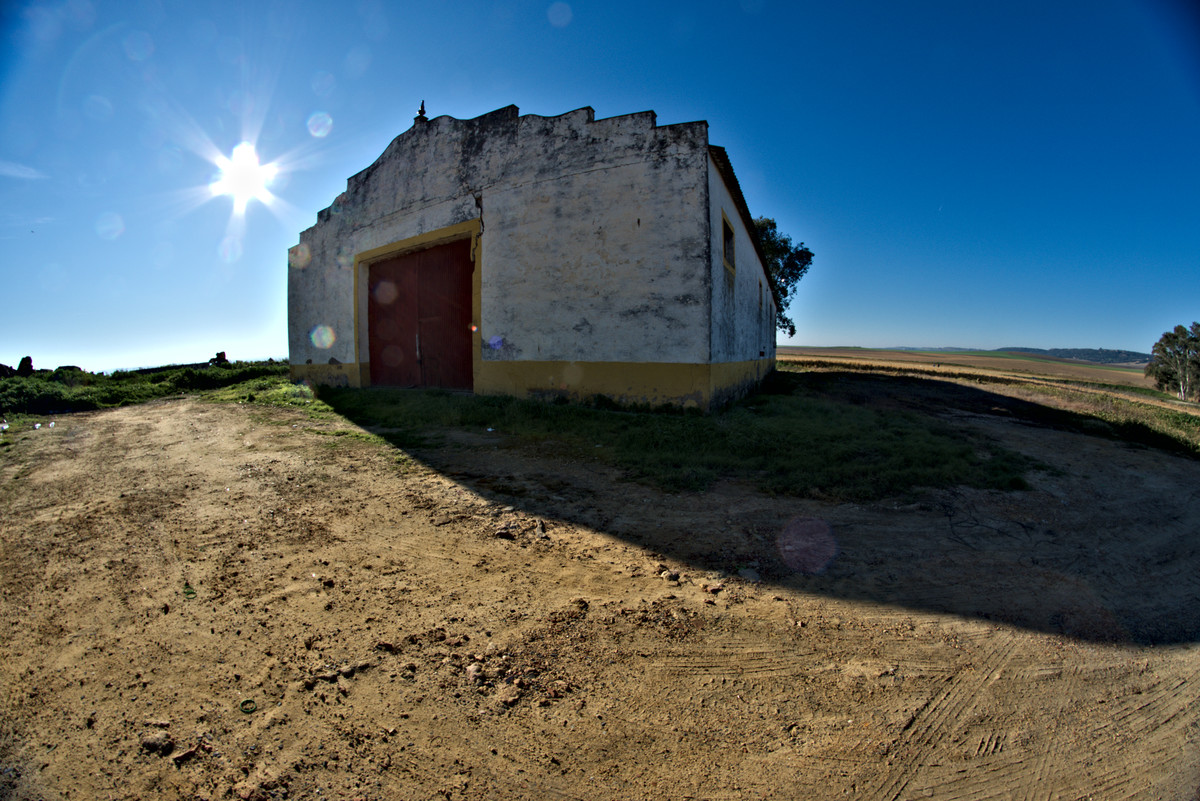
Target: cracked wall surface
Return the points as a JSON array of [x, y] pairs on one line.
[[594, 243]]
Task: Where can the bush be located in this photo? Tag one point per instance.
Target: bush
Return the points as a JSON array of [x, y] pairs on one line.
[[76, 390], [34, 396]]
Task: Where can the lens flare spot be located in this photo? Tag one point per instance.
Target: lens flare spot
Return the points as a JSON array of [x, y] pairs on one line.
[[322, 337], [300, 256], [230, 249], [559, 15], [320, 124], [385, 293], [138, 45], [806, 545], [109, 225], [474, 329]]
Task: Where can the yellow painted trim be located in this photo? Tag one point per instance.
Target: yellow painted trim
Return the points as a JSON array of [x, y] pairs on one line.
[[700, 386], [428, 239], [730, 380], [330, 375], [471, 229], [654, 383], [357, 356]]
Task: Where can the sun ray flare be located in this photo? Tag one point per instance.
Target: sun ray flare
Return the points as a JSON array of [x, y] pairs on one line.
[[243, 178]]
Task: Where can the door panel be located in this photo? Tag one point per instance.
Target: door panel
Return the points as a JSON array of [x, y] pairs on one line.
[[444, 320], [392, 323], [419, 318]]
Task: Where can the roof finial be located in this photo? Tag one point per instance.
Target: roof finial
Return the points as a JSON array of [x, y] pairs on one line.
[[421, 114]]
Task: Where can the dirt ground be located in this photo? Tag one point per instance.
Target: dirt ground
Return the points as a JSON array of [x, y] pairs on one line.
[[486, 623]]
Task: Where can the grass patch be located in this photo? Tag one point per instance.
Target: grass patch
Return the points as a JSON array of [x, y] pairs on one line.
[[347, 433], [841, 432], [273, 390], [62, 391], [786, 439]]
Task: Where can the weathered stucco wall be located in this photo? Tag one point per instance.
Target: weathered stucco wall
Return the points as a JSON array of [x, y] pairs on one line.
[[595, 268], [593, 243], [743, 308]]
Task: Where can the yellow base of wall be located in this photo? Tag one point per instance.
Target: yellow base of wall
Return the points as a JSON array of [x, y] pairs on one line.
[[689, 385], [333, 375], [701, 386]]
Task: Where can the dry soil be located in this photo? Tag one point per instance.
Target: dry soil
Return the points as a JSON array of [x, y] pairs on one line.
[[215, 601]]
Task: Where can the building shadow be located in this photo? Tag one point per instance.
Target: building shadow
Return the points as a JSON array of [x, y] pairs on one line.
[[1104, 548]]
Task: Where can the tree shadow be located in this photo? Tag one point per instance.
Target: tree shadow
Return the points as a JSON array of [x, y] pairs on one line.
[[1104, 548]]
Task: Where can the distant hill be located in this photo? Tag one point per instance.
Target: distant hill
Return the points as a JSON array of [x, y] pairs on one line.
[[1097, 355]]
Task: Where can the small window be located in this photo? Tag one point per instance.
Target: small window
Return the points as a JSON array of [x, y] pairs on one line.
[[727, 244], [760, 293]]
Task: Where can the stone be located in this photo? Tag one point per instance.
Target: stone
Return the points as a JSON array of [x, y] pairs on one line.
[[508, 695], [158, 742]]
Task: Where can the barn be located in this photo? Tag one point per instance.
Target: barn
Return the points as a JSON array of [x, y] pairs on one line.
[[538, 257]]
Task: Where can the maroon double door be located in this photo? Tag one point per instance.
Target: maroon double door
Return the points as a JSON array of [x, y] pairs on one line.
[[419, 318]]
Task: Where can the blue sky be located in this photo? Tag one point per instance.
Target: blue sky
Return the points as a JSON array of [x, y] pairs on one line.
[[967, 173]]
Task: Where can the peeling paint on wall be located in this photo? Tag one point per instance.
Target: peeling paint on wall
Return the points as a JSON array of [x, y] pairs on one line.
[[592, 244]]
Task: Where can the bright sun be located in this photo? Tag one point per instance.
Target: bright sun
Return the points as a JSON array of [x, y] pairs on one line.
[[243, 178]]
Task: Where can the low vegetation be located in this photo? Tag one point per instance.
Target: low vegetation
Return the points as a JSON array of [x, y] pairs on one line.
[[1134, 414], [821, 428], [69, 389], [789, 439]]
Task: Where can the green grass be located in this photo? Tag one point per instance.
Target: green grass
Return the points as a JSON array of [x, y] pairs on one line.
[[857, 433], [60, 391], [785, 440], [271, 390]]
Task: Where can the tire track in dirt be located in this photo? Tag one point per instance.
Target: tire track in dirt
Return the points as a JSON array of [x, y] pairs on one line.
[[1037, 785], [1160, 721], [941, 717], [733, 659], [1156, 719]]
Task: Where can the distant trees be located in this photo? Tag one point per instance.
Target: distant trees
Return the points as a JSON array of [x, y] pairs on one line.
[[1175, 362], [786, 264]]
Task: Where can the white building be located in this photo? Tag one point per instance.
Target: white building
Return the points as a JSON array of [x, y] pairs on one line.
[[538, 256]]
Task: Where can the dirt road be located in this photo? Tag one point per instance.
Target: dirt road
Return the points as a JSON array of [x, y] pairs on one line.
[[517, 626]]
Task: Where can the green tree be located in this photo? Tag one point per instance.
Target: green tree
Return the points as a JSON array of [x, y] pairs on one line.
[[1175, 362], [786, 265]]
